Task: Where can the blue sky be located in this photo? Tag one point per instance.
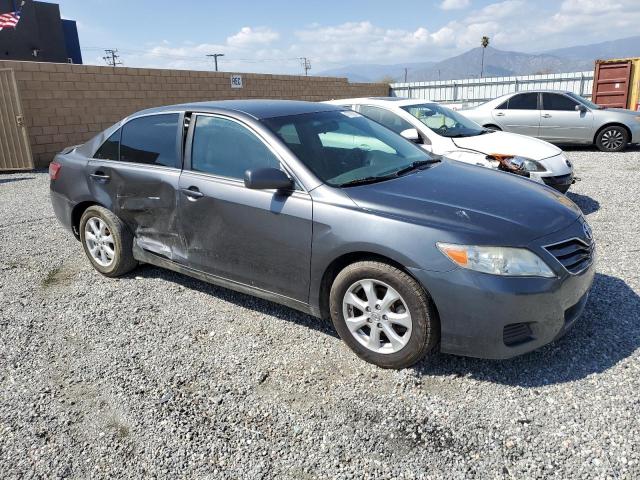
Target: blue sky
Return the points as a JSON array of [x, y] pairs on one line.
[[270, 35]]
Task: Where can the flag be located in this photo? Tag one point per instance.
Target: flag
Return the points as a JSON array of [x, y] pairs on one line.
[[9, 20]]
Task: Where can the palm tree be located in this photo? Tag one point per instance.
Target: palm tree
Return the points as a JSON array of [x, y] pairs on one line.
[[485, 44]]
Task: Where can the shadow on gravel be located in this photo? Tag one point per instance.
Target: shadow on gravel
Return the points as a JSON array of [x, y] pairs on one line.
[[240, 299], [587, 204], [606, 334], [14, 179]]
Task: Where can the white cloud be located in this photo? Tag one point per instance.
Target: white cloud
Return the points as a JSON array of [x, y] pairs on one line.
[[253, 36], [454, 4]]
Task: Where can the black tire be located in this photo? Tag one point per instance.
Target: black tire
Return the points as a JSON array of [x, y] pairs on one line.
[[612, 139], [493, 127], [425, 328], [123, 261]]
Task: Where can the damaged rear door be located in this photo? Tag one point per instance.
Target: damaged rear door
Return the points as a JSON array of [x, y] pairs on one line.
[[135, 174]]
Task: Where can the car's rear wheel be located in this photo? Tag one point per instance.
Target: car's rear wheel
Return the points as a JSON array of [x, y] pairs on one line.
[[107, 242], [383, 314], [612, 139]]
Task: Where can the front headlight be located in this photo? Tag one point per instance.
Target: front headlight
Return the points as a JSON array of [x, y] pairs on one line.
[[516, 163], [496, 260]]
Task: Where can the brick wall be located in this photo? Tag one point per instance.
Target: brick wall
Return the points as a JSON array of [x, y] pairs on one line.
[[67, 104]]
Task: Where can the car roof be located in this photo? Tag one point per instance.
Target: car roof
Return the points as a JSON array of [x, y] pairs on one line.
[[257, 109], [539, 90], [397, 101]]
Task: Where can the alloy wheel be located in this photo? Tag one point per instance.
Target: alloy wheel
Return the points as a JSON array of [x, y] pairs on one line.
[[377, 316], [612, 139], [99, 241]]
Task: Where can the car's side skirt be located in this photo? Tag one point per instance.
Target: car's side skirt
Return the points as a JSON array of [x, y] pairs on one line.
[[147, 257]]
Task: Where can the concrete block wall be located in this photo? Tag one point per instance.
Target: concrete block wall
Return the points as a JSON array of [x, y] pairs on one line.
[[66, 104]]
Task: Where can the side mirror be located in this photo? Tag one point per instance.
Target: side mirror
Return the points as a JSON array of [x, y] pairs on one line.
[[411, 134], [581, 108], [267, 179]]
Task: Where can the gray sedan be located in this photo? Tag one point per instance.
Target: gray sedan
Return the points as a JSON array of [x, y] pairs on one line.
[[559, 117], [321, 209]]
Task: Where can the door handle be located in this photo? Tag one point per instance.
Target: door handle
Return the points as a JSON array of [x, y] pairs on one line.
[[99, 175], [192, 192], [546, 115], [499, 114]]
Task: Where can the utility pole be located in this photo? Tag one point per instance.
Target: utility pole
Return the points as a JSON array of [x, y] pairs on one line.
[[306, 64], [405, 74], [215, 58], [485, 44], [111, 57]]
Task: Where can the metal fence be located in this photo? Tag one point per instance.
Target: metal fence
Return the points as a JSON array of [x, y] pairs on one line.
[[473, 91]]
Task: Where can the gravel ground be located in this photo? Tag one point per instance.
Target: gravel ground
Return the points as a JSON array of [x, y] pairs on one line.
[[156, 374]]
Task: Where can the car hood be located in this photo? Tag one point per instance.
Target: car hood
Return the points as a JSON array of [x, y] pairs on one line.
[[623, 111], [508, 144], [467, 203]]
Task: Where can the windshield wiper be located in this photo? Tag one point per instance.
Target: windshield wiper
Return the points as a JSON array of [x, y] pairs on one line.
[[366, 180], [416, 166]]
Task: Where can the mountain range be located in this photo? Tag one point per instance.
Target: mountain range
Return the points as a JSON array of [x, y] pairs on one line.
[[497, 63]]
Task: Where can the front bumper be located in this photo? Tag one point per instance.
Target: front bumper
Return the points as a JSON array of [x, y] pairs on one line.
[[559, 174], [498, 317], [635, 133], [560, 183]]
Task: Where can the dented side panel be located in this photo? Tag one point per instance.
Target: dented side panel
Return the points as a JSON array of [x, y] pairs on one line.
[[144, 197]]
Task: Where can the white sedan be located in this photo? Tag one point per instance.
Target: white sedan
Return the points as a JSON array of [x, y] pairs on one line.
[[445, 132]]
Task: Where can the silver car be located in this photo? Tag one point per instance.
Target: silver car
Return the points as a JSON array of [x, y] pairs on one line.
[[559, 117]]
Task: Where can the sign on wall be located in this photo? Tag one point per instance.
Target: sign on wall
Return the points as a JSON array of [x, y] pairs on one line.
[[236, 81]]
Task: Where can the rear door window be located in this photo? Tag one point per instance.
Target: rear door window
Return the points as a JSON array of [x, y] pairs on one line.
[[110, 149], [523, 101], [555, 101], [151, 140]]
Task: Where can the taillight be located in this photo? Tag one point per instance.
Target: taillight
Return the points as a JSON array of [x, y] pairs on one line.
[[54, 170]]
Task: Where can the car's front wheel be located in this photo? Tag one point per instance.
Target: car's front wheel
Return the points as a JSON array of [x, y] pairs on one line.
[[383, 314], [107, 242], [612, 139]]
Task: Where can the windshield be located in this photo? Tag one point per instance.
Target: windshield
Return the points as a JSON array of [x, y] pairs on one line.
[[444, 121], [584, 101], [343, 147]]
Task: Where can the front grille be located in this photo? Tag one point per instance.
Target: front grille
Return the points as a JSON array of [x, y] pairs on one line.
[[575, 255], [516, 333]]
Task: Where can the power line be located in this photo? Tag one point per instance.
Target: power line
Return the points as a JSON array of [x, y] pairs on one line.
[[215, 58], [111, 57], [306, 64]]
